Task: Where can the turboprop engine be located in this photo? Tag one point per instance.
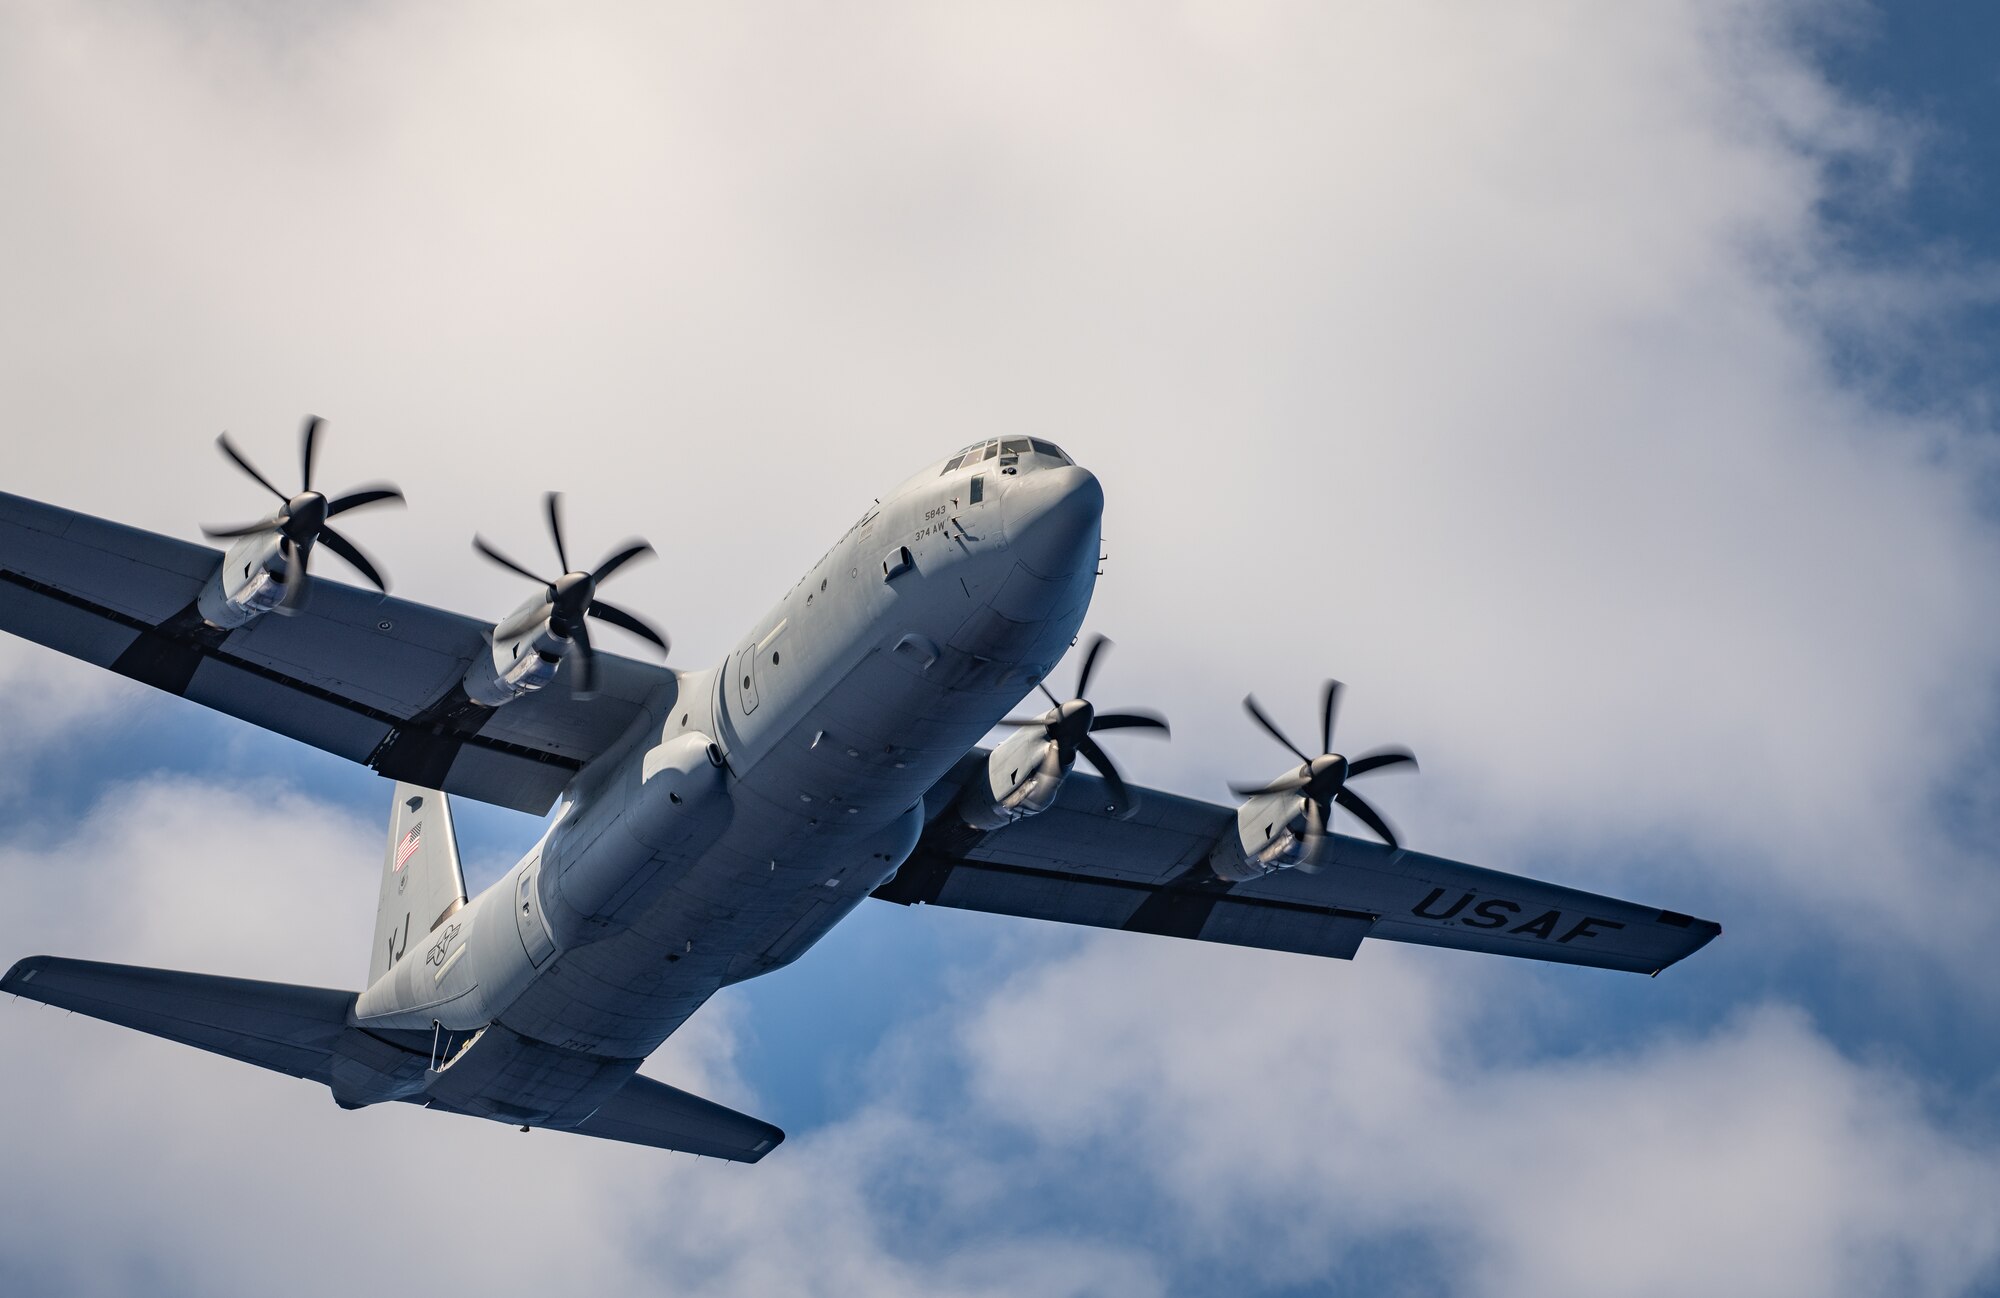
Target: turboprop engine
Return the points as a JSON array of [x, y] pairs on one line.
[[1024, 774], [265, 569], [1283, 824], [532, 643]]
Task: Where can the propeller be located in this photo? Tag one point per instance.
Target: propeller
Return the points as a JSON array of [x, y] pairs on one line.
[[1323, 779], [301, 518], [572, 597], [1070, 724]]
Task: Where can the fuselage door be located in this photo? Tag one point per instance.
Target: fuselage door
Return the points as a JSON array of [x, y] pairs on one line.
[[528, 913], [745, 679]]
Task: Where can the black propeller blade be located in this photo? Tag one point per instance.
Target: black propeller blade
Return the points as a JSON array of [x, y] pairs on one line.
[[1271, 727], [301, 519], [571, 598], [1367, 814], [1070, 724], [1323, 779]]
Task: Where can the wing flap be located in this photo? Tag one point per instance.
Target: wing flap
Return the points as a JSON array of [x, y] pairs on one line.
[[286, 1028], [646, 1112], [39, 613]]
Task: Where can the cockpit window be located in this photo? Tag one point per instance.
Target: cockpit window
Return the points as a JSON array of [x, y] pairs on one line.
[[1009, 449]]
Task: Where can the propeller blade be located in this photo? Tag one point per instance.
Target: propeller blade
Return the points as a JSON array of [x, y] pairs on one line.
[[1041, 720], [351, 552], [633, 550], [243, 463], [248, 529], [480, 544], [618, 617], [554, 502], [584, 683], [365, 496], [1315, 837], [1271, 727], [308, 450], [1129, 721], [1049, 693], [1087, 749], [1283, 784], [1367, 815], [1329, 707], [295, 578], [528, 618], [1378, 759], [1097, 647]]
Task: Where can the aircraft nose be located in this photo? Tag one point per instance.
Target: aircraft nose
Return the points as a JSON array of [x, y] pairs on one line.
[[1051, 518]]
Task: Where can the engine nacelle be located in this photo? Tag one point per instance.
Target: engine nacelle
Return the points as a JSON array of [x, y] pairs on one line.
[[518, 665], [1273, 832], [250, 583], [1022, 777]]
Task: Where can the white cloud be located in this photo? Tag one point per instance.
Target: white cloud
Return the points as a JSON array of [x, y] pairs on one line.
[[1287, 1116], [1037, 1134], [1477, 356], [135, 1161], [1474, 356]]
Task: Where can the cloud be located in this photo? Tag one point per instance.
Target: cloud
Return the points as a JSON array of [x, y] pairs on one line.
[[146, 1163], [1500, 362], [1479, 358], [1285, 1116], [1288, 1117]]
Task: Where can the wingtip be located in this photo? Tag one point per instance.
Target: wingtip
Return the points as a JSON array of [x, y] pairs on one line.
[[23, 973], [775, 1138], [1700, 933]]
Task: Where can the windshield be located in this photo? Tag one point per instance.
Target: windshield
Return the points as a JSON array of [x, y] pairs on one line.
[[1008, 451]]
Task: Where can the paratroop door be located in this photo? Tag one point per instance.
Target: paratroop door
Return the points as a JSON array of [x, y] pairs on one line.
[[528, 913]]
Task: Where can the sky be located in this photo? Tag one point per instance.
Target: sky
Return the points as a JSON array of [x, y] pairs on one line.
[[1603, 392]]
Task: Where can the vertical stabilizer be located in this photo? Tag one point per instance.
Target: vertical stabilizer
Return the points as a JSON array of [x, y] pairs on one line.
[[421, 879]]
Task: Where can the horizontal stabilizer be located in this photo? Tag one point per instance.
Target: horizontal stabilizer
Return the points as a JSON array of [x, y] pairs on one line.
[[278, 1026], [646, 1112]]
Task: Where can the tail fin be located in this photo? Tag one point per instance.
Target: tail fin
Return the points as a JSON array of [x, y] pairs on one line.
[[422, 883]]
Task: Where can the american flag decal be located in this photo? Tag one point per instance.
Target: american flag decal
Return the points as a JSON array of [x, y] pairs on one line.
[[408, 847]]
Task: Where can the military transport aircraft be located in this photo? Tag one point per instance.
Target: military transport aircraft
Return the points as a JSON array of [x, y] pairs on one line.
[[714, 824]]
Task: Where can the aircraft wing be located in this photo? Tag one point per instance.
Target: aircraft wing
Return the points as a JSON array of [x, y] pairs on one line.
[[369, 677], [1148, 873]]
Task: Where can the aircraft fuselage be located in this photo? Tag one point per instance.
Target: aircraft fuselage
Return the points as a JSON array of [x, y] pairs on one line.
[[756, 803]]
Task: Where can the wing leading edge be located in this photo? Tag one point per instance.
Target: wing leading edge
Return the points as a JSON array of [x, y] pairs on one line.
[[1077, 864]]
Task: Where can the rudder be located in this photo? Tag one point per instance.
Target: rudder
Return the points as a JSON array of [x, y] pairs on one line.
[[422, 883]]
